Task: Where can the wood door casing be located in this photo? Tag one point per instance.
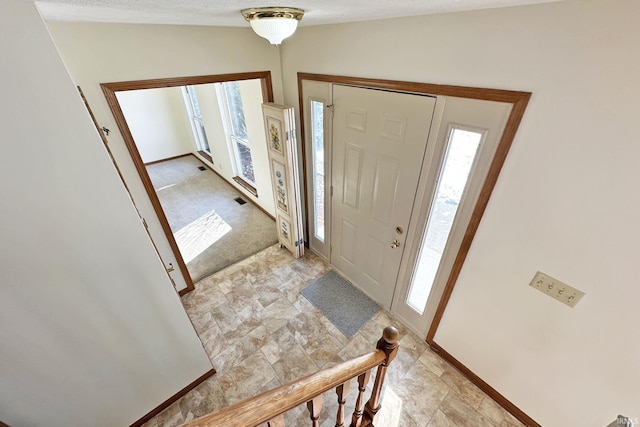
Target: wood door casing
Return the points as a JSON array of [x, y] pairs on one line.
[[110, 89]]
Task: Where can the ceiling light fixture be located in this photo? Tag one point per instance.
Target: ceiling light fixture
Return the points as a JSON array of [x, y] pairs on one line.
[[273, 23]]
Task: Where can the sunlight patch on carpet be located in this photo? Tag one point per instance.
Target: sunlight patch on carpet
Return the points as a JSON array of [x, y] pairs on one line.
[[196, 237]]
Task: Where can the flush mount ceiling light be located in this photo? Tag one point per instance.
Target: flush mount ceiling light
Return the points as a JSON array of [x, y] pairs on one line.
[[273, 23]]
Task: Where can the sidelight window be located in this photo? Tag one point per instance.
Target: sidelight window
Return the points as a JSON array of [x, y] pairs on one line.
[[317, 137], [459, 157]]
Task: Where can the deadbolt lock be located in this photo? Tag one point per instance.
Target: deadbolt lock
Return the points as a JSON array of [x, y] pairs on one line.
[[399, 230]]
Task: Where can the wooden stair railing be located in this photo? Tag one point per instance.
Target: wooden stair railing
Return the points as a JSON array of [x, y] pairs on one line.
[[270, 407]]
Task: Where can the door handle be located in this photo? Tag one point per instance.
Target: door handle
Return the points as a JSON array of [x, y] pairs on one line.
[[395, 243]]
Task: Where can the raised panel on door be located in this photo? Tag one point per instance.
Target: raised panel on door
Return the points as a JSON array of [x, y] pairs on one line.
[[385, 188], [348, 232], [352, 175], [379, 141], [374, 262]]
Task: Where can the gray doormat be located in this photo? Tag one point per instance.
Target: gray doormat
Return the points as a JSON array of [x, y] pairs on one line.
[[344, 305]]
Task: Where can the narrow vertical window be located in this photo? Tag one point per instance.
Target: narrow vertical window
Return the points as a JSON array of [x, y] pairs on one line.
[[317, 136], [196, 120], [238, 132], [461, 152]]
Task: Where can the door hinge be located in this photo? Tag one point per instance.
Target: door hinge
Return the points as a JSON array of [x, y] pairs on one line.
[[330, 108], [331, 191], [144, 222]]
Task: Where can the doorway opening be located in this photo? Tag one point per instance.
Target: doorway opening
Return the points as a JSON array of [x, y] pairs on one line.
[[213, 225], [399, 228], [220, 127]]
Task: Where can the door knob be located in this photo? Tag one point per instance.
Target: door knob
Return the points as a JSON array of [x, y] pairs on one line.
[[395, 243]]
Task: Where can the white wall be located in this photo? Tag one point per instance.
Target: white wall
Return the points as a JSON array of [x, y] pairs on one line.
[[92, 331], [158, 121], [251, 93], [566, 203], [98, 53]]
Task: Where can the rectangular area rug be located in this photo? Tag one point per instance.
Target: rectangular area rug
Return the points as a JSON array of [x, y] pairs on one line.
[[340, 302]]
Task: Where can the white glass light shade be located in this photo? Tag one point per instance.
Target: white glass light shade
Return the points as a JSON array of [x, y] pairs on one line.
[[274, 29]]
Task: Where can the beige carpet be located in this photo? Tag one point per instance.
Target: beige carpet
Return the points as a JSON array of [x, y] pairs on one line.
[[211, 229]]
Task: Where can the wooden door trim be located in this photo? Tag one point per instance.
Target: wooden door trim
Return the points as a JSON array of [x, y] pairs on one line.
[[124, 183], [499, 95], [519, 101], [267, 90], [109, 90]]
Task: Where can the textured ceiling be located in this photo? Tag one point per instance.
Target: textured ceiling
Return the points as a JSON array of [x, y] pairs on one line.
[[227, 12]]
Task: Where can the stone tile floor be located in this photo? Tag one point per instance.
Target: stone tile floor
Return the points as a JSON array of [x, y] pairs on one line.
[[260, 332]]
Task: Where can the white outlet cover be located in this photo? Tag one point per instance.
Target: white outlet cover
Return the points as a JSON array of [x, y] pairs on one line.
[[556, 289]]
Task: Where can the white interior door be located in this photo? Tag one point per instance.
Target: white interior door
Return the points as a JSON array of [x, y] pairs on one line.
[[379, 141]]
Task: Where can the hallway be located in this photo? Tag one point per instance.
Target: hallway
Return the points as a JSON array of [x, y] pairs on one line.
[[260, 332]]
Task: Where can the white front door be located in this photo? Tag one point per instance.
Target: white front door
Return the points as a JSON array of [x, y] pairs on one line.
[[379, 141]]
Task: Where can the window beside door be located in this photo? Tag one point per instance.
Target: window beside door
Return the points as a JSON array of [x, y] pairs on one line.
[[459, 157], [317, 115], [317, 155]]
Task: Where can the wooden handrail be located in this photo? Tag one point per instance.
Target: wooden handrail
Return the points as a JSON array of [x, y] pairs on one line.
[[260, 409], [271, 404]]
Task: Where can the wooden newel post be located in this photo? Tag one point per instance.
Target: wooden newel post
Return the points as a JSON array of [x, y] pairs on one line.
[[389, 344]]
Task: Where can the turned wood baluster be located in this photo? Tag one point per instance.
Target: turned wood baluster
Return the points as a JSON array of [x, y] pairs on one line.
[[315, 406], [389, 344], [277, 421], [342, 390], [363, 380]]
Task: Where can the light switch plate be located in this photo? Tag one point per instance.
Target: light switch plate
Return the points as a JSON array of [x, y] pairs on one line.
[[556, 289]]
